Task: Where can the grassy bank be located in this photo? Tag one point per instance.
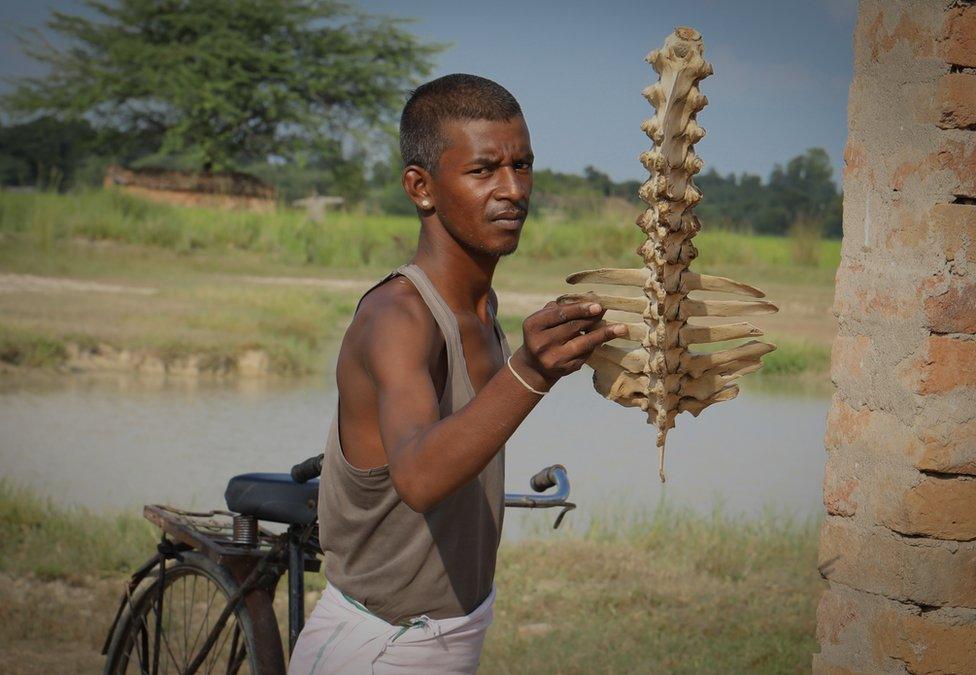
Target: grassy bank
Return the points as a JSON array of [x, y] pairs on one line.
[[181, 284], [356, 240], [669, 591]]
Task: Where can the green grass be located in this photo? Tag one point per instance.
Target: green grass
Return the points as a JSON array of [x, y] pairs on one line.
[[355, 239], [793, 357], [26, 348], [669, 590], [52, 542]]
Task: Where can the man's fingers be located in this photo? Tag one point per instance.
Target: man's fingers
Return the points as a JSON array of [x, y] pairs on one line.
[[585, 344], [558, 314], [563, 332]]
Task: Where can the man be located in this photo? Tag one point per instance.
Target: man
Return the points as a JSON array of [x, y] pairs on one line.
[[411, 497]]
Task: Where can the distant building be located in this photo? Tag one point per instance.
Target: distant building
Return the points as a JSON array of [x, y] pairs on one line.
[[225, 190]]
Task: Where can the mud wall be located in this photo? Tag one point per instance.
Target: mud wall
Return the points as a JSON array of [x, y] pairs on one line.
[[898, 546]]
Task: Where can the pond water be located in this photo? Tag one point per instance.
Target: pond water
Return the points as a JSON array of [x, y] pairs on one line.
[[112, 443]]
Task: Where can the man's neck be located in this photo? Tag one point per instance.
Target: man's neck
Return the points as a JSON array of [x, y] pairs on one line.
[[462, 277]]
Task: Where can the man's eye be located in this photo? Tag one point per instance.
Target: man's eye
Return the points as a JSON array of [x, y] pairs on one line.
[[482, 170], [523, 166]]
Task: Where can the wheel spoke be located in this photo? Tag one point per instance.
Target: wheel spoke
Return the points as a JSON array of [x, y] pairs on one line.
[[204, 622], [165, 640], [186, 633], [232, 660], [221, 641]]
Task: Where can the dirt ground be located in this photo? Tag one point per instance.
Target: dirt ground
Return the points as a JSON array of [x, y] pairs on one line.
[[804, 311]]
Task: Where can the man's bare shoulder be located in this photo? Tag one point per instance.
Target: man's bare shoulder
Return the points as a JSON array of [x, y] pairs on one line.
[[395, 313]]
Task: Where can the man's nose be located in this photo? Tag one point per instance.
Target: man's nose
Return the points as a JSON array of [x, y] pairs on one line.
[[511, 185]]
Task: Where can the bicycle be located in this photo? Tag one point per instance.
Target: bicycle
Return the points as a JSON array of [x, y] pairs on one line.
[[228, 553]]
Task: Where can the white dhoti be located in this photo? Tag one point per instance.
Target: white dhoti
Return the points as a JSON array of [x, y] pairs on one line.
[[341, 637]]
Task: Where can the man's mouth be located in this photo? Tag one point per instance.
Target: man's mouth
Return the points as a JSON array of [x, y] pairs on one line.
[[510, 219]]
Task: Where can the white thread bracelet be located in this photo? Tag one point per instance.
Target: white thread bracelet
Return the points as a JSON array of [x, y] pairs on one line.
[[521, 381]]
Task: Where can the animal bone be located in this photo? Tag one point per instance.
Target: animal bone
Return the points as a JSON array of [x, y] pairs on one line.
[[662, 376]]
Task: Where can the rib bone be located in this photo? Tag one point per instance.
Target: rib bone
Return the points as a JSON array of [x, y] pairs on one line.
[[686, 309], [692, 335]]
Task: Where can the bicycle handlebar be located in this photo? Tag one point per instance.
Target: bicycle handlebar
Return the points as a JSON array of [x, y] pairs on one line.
[[307, 470], [546, 478], [554, 475], [551, 476]]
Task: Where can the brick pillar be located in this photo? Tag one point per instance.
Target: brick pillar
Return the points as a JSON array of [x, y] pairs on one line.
[[898, 545]]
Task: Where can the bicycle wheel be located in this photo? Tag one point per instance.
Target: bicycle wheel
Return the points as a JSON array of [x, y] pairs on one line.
[[195, 593]]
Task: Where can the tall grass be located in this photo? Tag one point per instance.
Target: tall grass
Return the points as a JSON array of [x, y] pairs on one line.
[[42, 539], [352, 239], [805, 236], [667, 590]]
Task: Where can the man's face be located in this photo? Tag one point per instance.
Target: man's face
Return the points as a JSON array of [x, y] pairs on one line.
[[482, 184]]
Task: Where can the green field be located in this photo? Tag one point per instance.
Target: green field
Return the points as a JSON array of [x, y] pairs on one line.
[[357, 240], [208, 293], [666, 591]]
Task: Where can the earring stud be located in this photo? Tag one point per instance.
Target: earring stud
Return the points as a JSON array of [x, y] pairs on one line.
[[425, 204]]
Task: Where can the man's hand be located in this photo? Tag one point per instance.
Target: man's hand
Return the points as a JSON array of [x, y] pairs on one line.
[[558, 339]]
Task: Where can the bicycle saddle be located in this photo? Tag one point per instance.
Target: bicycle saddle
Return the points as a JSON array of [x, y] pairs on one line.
[[274, 497]]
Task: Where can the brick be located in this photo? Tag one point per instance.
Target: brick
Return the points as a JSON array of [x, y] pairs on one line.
[[943, 508], [861, 433], [920, 571], [959, 37], [949, 303], [847, 357], [944, 446], [959, 158], [953, 163], [924, 644], [905, 32], [952, 228], [867, 632], [836, 612], [855, 158], [846, 425], [942, 365], [949, 447], [822, 666], [946, 233], [839, 492], [957, 101]]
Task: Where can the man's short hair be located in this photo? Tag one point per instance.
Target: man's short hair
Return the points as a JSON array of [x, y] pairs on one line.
[[452, 97]]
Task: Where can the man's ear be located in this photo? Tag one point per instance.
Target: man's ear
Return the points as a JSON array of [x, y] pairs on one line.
[[417, 183]]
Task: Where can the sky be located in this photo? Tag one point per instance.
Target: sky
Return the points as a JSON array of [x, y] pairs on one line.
[[782, 71]]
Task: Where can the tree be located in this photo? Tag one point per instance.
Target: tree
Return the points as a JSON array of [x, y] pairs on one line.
[[43, 152], [804, 187], [221, 80]]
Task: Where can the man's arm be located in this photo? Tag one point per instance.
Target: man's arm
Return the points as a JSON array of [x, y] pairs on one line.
[[430, 458]]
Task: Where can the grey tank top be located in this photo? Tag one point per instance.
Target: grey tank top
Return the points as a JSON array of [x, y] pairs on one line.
[[399, 563]]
